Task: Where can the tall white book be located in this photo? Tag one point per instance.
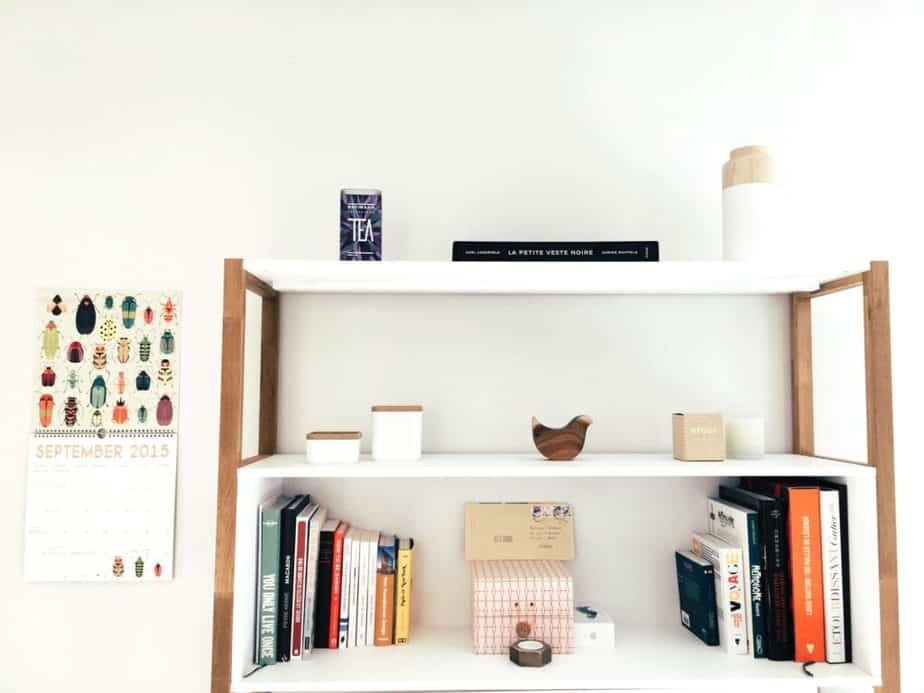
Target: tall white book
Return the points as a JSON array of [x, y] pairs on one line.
[[355, 560], [343, 626], [370, 602], [832, 576], [363, 594], [728, 565]]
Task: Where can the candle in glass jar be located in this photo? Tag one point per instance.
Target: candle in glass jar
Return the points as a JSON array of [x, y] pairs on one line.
[[744, 438]]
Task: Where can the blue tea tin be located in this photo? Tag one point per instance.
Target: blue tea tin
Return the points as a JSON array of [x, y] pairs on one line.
[[360, 224]]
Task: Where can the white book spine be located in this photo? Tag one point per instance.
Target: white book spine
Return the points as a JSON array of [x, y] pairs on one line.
[[832, 572], [728, 566], [731, 525], [370, 602], [345, 590], [363, 590], [355, 551]]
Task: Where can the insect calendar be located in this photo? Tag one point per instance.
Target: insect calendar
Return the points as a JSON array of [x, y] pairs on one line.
[[103, 450]]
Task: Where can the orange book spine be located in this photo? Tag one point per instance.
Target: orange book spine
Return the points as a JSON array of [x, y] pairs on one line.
[[805, 565], [384, 608]]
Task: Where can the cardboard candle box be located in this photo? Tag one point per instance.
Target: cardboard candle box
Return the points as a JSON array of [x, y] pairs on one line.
[[698, 437]]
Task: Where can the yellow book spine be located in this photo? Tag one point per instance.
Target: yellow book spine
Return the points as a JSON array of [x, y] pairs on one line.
[[404, 580]]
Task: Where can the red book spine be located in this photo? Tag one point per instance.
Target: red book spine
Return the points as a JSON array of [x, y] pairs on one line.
[[805, 564], [298, 587], [336, 577]]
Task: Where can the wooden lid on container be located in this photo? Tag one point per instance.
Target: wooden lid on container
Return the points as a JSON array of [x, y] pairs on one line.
[[748, 165], [334, 435], [397, 407]]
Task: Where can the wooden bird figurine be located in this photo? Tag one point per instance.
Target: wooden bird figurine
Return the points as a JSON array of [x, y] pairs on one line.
[[561, 443]]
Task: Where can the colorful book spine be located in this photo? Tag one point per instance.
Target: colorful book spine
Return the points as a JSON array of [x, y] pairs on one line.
[[311, 580], [336, 584], [370, 588], [775, 564], [728, 562], [298, 587], [555, 251], [270, 516], [385, 591], [738, 526], [696, 588], [833, 578], [806, 571], [325, 572], [288, 518], [345, 588], [404, 583]]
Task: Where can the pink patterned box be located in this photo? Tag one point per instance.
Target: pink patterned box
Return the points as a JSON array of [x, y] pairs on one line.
[[505, 593]]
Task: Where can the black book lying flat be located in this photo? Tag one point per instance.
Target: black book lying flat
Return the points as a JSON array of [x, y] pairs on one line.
[[555, 251]]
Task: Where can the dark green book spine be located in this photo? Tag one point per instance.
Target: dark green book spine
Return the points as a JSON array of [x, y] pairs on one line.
[[269, 583], [696, 587]]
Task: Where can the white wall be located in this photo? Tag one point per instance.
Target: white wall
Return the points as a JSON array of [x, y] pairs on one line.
[[141, 145]]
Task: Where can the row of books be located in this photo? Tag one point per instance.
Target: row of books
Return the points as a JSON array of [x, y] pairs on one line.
[[322, 583], [769, 575]]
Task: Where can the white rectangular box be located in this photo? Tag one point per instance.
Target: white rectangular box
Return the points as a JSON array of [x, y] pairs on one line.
[[397, 432], [593, 628], [332, 447]]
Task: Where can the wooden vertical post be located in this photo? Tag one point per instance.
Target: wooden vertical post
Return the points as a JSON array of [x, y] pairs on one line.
[[803, 413], [229, 457], [881, 451], [269, 374]]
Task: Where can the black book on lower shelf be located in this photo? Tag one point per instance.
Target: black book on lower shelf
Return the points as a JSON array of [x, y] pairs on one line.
[[696, 588], [324, 581], [555, 251], [775, 563]]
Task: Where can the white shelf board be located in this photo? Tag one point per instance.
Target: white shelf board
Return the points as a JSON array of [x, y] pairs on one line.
[[655, 657], [404, 277], [531, 465]]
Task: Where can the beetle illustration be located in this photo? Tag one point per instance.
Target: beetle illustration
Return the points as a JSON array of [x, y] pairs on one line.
[[118, 566], [139, 567], [123, 350], [165, 372], [75, 352], [169, 310], [72, 379], [50, 340], [70, 411], [148, 315], [97, 418], [144, 348], [48, 377], [86, 316], [142, 414], [107, 330], [120, 412], [99, 357], [129, 306], [98, 392], [46, 409], [120, 382], [109, 302], [57, 305], [142, 381], [164, 411], [167, 342]]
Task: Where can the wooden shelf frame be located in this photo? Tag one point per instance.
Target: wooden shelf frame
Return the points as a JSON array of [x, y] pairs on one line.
[[874, 282]]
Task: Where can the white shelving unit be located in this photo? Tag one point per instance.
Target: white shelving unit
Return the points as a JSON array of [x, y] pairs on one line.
[[612, 494]]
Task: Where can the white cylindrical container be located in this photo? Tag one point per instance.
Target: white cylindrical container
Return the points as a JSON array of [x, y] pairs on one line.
[[750, 208], [397, 432], [332, 447], [744, 438]]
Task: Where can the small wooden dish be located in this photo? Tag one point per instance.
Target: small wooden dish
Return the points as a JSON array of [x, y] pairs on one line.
[[561, 443]]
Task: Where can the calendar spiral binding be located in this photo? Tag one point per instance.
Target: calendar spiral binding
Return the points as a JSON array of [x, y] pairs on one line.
[[102, 433]]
